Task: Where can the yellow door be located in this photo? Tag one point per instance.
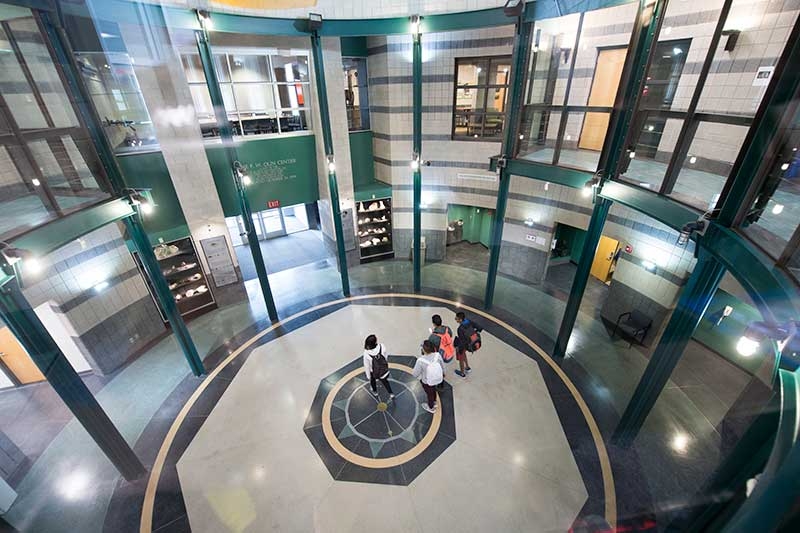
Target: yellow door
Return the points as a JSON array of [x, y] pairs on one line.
[[17, 359], [604, 90], [604, 258]]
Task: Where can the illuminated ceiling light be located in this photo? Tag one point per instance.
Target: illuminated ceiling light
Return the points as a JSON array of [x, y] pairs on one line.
[[476, 135], [521, 136], [650, 127], [777, 209], [677, 51], [785, 166], [632, 154], [692, 160], [36, 182], [746, 346]]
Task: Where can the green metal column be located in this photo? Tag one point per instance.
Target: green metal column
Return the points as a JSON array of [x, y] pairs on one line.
[[416, 147], [59, 43], [226, 135], [327, 138], [648, 21], [692, 304], [593, 233], [522, 44], [16, 312]]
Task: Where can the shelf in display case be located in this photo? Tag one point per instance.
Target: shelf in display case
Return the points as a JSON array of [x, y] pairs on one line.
[[180, 265], [383, 249]]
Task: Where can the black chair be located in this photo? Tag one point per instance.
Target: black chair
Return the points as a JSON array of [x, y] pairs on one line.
[[634, 324]]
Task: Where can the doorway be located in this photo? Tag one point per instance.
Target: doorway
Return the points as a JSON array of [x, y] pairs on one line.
[[16, 361], [468, 232], [607, 74], [605, 259]]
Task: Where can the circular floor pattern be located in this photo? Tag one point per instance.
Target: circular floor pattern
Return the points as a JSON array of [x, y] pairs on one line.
[[166, 460], [378, 440]]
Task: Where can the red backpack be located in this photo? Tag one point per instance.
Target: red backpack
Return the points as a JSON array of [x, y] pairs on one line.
[[446, 347]]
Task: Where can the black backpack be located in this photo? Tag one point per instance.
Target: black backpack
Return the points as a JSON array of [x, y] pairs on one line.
[[380, 366]]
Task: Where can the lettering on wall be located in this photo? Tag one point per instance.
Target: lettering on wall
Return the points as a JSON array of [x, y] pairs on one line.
[[271, 171]]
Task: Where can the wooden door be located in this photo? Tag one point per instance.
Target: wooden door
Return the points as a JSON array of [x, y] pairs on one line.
[[17, 359], [607, 74], [604, 258]]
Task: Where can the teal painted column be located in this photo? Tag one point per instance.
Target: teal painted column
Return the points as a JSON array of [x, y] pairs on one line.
[[327, 139], [59, 43], [648, 19], [17, 313], [522, 42], [593, 233], [692, 304], [226, 135], [416, 157]]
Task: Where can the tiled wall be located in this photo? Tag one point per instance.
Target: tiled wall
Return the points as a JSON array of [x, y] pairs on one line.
[[111, 323], [158, 69]]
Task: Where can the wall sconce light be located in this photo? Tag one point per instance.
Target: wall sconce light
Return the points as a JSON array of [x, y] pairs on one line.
[[514, 8], [241, 173], [314, 22], [204, 18], [777, 209], [141, 199], [416, 25], [698, 226], [590, 188], [733, 37], [13, 255], [331, 164]]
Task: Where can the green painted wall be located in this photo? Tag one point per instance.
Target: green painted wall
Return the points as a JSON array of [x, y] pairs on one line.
[[477, 222], [149, 170], [574, 238], [354, 47], [283, 169], [361, 159]]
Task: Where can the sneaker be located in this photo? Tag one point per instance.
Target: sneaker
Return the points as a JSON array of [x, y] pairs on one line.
[[469, 370], [425, 406], [460, 373]]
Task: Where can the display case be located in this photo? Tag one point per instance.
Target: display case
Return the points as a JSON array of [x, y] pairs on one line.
[[183, 271], [374, 222]]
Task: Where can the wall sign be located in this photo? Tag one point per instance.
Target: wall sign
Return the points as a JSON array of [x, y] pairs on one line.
[[272, 204], [219, 260], [628, 249], [763, 76]]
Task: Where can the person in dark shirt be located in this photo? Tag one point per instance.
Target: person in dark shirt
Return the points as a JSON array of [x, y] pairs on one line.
[[465, 330]]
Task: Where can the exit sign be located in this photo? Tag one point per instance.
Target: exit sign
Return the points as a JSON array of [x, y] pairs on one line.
[[272, 204]]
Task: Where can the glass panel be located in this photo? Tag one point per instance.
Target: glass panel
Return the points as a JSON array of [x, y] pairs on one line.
[[245, 68], [499, 71], [493, 126], [776, 211], [746, 57], [23, 203], [193, 68], [470, 99], [542, 128], [664, 75], [17, 92], [293, 120], [202, 102], [116, 95], [601, 52], [468, 125], [472, 72], [553, 40], [708, 164], [654, 147], [254, 99], [290, 68], [356, 92], [292, 96], [583, 140], [496, 100]]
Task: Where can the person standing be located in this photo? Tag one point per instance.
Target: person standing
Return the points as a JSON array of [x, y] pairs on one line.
[[429, 369], [376, 366], [467, 339], [443, 341]]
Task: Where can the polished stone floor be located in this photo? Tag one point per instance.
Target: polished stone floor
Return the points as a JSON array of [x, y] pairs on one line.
[[284, 253], [72, 482], [509, 469]]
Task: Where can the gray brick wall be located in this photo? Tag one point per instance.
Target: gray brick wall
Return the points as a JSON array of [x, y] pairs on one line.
[[523, 262]]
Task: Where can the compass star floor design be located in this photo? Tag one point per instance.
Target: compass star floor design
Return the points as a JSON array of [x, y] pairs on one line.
[[253, 465], [378, 440]]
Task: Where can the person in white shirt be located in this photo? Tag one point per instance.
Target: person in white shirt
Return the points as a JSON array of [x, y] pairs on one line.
[[376, 365], [429, 369]]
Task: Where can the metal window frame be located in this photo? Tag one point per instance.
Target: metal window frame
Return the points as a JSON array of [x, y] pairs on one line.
[[482, 110]]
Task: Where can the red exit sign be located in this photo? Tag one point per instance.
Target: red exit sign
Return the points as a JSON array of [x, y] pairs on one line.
[[272, 204]]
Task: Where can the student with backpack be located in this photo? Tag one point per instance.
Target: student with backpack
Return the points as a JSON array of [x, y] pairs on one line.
[[376, 366], [443, 341], [429, 369], [468, 339]]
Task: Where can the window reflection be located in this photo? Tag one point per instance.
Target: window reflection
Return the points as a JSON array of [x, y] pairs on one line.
[[356, 92], [481, 96]]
